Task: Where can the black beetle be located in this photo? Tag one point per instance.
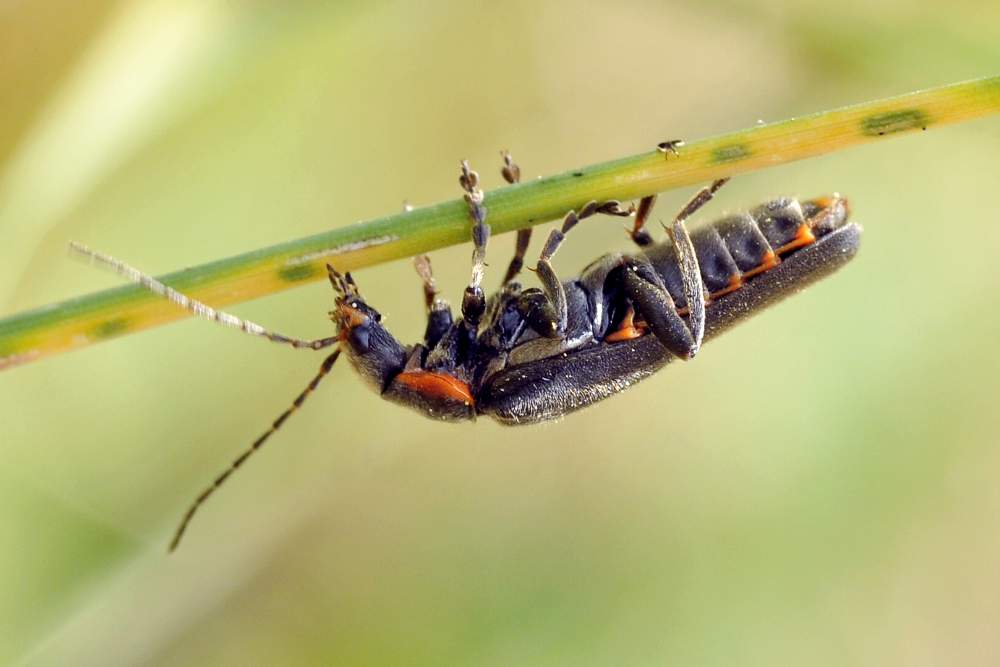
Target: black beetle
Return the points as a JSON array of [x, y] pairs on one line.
[[524, 356]]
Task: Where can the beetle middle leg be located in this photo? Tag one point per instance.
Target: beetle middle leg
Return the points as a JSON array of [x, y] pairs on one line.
[[653, 302], [642, 237], [550, 317], [639, 235]]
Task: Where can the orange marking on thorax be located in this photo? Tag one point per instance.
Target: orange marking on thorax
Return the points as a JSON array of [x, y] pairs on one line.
[[437, 385]]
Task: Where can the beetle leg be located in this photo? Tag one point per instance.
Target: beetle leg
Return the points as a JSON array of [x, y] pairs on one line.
[[474, 300], [520, 250], [647, 291], [551, 319], [651, 299], [512, 174], [641, 237], [439, 317], [694, 287], [551, 285]]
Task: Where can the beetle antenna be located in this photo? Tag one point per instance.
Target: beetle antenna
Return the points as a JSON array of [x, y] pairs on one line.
[[193, 306], [257, 444]]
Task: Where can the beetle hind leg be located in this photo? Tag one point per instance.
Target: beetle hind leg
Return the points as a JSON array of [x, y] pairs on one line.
[[653, 302], [694, 287], [648, 293]]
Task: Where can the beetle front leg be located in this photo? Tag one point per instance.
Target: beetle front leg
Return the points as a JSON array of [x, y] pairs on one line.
[[439, 318], [474, 300]]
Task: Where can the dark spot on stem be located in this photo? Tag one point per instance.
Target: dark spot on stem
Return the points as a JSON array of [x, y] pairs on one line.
[[577, 174], [894, 121], [109, 328], [730, 153], [293, 274]]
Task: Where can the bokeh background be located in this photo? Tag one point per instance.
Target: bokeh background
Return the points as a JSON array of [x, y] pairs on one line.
[[819, 487]]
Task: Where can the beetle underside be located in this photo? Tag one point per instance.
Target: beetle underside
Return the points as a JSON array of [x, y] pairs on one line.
[[531, 355]]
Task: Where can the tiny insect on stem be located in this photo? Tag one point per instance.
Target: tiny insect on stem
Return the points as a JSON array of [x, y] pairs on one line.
[[670, 146]]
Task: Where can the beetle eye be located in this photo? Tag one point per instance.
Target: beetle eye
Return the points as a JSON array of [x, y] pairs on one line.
[[359, 337]]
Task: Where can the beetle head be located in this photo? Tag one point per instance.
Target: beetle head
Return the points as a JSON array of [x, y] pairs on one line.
[[373, 351]]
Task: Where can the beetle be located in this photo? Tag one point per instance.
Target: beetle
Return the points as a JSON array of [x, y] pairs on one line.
[[529, 355]]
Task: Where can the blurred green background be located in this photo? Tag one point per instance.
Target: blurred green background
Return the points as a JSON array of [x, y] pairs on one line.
[[819, 487]]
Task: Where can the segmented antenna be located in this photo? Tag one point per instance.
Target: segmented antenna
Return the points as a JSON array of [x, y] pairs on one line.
[[194, 306], [257, 444]]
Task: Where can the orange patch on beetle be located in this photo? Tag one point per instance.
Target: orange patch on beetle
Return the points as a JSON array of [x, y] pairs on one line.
[[735, 282], [769, 261], [803, 237], [437, 385], [627, 330]]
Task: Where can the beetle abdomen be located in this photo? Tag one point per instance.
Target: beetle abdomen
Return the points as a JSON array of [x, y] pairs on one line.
[[549, 388], [738, 247]]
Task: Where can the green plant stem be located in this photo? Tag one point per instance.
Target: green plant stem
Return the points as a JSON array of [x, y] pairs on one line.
[[110, 313]]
